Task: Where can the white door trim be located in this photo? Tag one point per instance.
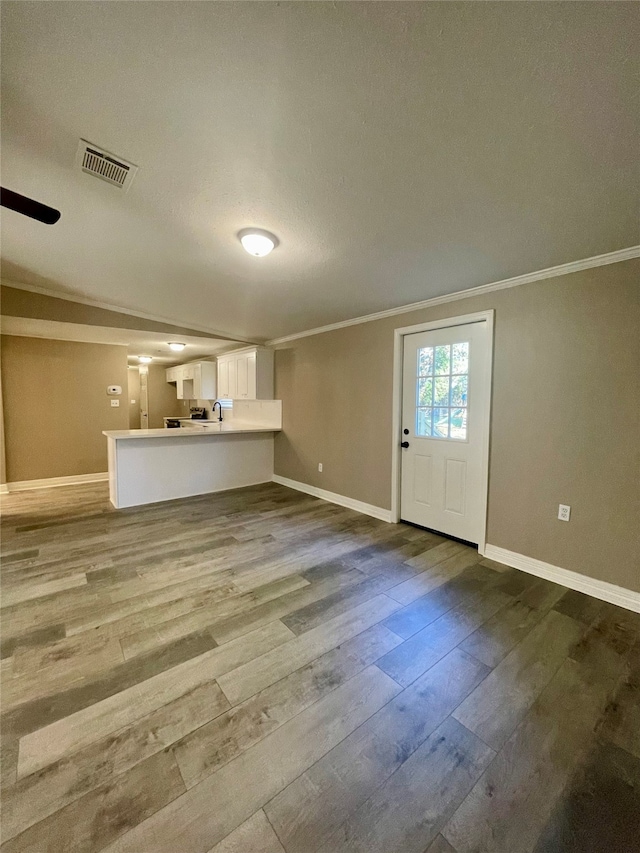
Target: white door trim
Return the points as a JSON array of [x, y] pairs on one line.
[[398, 342]]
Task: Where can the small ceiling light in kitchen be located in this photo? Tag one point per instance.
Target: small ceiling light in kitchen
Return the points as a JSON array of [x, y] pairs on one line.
[[176, 347], [257, 242], [144, 359]]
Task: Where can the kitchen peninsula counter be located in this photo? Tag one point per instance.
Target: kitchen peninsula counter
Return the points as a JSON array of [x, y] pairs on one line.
[[151, 465]]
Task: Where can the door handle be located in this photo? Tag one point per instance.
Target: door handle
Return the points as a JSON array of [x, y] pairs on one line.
[[404, 444]]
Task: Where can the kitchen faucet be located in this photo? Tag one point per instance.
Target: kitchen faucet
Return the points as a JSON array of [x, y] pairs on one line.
[[213, 409]]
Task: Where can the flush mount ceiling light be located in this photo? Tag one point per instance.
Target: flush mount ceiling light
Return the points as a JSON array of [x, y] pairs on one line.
[[176, 347], [144, 359], [257, 242]]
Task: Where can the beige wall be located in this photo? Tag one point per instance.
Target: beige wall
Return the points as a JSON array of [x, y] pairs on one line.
[[56, 405], [565, 416], [163, 401]]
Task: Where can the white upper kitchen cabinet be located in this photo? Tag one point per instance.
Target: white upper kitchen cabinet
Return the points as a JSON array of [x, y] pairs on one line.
[[226, 367], [195, 381], [246, 374], [204, 380]]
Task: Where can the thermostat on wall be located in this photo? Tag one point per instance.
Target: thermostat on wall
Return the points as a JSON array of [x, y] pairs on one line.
[[114, 390]]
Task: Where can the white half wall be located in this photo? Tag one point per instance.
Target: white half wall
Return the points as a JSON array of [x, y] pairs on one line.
[[143, 471]]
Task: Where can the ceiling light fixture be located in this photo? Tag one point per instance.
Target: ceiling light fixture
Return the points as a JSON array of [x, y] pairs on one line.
[[176, 347], [144, 359], [257, 242]]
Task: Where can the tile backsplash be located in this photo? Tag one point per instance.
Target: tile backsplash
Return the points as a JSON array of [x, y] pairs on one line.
[[266, 413]]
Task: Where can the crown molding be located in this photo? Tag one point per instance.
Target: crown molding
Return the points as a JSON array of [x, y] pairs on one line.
[[551, 272], [107, 306]]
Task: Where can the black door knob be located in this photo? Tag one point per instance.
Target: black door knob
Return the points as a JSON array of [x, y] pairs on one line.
[[404, 444]]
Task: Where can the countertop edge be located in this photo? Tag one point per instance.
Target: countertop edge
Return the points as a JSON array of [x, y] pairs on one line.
[[137, 434]]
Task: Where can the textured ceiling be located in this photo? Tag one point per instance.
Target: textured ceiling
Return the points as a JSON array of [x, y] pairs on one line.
[[398, 150]]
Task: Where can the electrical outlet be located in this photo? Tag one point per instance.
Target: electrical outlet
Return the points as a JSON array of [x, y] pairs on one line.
[[564, 512], [320, 467], [115, 404]]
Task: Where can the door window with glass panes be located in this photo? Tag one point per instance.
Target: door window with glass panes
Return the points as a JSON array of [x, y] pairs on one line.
[[442, 391]]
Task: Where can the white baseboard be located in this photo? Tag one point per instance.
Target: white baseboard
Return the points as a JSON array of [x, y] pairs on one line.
[[332, 497], [4, 489], [598, 589], [52, 482]]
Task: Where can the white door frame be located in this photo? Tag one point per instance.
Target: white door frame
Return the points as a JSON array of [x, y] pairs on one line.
[[398, 348]]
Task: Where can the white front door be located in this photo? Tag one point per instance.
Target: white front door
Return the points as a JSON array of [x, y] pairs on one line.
[[445, 400]]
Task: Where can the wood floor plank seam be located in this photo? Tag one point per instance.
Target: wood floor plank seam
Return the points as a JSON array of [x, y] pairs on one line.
[[332, 684], [33, 746], [252, 673], [274, 831], [399, 702], [359, 835], [47, 789], [165, 829]]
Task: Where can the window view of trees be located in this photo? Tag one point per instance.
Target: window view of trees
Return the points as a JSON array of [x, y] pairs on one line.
[[442, 391]]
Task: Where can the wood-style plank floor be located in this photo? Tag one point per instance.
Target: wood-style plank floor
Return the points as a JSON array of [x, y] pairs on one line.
[[259, 671]]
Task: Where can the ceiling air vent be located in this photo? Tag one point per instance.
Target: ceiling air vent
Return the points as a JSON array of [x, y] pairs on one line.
[[105, 165]]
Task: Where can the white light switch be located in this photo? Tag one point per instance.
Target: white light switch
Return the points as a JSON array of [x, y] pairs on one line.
[[115, 404]]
